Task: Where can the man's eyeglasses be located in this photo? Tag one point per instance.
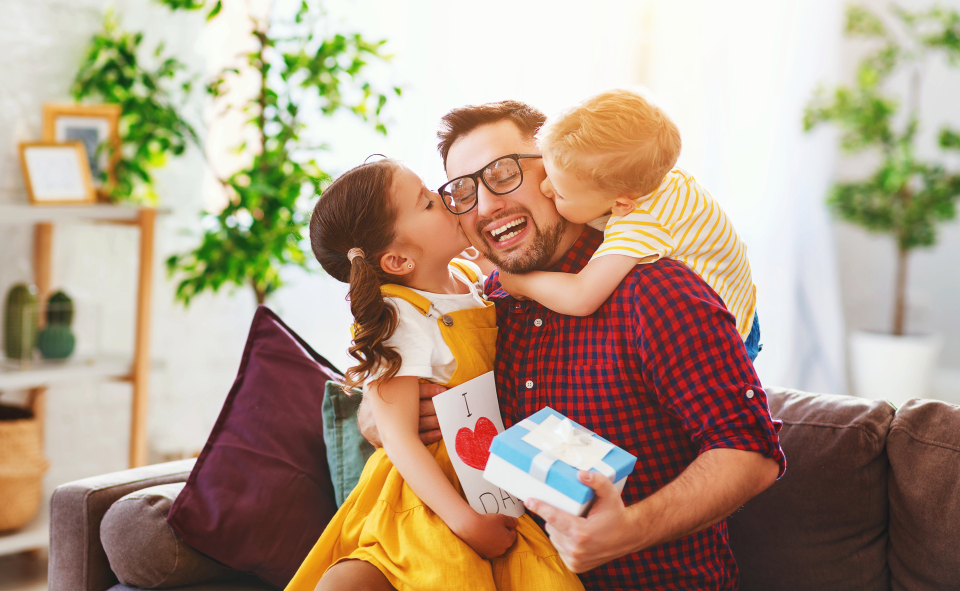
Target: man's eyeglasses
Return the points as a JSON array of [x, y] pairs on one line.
[[501, 176]]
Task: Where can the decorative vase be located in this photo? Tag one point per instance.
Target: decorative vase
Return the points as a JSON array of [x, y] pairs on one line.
[[56, 341], [894, 368], [20, 319]]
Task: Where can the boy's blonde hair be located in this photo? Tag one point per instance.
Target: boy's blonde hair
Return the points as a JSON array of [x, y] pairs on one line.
[[616, 139]]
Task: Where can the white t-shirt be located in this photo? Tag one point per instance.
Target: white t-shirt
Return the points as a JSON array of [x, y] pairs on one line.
[[423, 351]]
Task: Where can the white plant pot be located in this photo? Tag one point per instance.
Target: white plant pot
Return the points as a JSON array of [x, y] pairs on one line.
[[887, 367]]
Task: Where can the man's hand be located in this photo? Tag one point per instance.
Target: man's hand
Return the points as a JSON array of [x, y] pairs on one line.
[[429, 425], [585, 543]]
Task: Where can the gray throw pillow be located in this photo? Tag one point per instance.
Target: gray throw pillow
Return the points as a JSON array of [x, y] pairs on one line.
[[144, 551], [347, 450]]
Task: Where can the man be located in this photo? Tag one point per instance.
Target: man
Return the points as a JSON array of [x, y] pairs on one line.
[[659, 370]]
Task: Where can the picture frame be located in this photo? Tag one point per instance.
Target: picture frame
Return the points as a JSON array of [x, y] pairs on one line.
[[56, 173], [98, 127]]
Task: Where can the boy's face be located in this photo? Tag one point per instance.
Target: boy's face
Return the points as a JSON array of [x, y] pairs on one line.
[[577, 200]]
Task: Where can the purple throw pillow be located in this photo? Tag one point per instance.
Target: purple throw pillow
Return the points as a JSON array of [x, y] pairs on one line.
[[260, 493]]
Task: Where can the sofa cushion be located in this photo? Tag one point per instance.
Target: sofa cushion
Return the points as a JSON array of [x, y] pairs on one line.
[[823, 524], [143, 549], [260, 493], [924, 451], [347, 450]]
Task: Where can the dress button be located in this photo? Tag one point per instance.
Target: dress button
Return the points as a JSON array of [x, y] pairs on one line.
[[529, 384], [538, 322], [749, 393]]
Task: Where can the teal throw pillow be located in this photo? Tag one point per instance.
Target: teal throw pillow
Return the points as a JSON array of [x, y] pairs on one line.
[[347, 450]]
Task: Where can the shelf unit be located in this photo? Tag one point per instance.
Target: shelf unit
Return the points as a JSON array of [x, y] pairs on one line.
[[39, 376]]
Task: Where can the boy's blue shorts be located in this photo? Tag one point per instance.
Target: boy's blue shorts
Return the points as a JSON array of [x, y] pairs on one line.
[[753, 339]]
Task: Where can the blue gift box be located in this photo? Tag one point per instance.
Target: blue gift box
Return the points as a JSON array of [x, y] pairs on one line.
[[526, 471]]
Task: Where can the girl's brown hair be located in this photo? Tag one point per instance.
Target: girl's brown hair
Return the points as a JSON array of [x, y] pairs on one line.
[[355, 211]]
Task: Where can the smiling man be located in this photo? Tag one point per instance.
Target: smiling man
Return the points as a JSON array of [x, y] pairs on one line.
[[659, 369]]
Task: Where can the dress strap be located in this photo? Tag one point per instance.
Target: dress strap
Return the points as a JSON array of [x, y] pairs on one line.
[[465, 268], [392, 290]]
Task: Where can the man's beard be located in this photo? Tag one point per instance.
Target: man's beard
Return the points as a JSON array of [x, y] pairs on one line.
[[536, 257]]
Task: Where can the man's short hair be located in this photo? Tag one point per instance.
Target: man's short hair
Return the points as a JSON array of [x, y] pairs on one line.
[[462, 121], [616, 139]]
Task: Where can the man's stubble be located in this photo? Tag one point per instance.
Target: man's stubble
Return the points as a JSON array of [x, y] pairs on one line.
[[535, 258]]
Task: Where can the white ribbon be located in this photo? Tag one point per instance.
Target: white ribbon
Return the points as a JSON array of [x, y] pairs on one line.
[[563, 440]]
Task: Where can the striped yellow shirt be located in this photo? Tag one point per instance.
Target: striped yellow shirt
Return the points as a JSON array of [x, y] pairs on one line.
[[681, 221]]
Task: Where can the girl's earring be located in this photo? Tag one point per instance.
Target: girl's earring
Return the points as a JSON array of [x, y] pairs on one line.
[[409, 265]]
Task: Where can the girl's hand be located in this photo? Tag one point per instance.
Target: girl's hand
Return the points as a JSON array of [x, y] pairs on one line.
[[489, 535]]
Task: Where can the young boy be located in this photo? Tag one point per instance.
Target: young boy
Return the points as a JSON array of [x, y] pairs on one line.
[[615, 155]]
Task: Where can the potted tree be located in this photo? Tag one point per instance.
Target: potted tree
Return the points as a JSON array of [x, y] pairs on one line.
[[905, 197]]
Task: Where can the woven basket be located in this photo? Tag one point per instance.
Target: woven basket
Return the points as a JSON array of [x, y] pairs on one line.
[[22, 467]]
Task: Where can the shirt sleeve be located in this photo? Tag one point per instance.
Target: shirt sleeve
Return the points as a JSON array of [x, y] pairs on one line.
[[638, 234], [411, 341], [695, 362]]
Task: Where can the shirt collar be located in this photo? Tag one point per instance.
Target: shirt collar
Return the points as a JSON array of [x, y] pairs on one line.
[[575, 259]]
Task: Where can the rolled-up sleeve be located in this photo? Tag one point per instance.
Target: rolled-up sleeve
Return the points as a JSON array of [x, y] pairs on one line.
[[695, 362]]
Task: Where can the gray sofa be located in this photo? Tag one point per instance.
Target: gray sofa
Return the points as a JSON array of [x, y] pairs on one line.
[[870, 500]]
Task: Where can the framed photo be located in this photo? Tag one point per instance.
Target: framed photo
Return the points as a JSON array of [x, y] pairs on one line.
[[97, 126], [57, 173]]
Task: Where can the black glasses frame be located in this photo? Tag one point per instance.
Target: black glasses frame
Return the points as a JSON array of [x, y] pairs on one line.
[[479, 175]]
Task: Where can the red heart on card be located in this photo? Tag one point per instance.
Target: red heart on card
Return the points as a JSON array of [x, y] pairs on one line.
[[473, 447]]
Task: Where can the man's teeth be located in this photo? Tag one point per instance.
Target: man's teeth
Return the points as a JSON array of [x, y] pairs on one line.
[[496, 233]]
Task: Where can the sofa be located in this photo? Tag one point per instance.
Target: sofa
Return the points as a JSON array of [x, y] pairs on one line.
[[870, 500]]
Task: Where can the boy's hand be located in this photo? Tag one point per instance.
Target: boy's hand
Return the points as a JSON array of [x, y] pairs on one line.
[[490, 535], [513, 285]]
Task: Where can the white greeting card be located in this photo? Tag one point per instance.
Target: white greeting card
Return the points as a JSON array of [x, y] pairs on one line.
[[469, 418]]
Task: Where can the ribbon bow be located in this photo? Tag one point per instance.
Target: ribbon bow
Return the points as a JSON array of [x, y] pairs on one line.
[[568, 442]]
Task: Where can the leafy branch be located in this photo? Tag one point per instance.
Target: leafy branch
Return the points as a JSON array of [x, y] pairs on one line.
[[259, 231], [151, 101]]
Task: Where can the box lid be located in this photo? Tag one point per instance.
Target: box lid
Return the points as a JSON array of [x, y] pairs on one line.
[[510, 446]]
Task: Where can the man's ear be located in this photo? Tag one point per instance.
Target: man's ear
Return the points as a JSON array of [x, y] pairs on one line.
[[623, 205], [395, 263]]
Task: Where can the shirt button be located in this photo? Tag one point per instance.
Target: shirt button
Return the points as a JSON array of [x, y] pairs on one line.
[[529, 384], [538, 322], [749, 393]]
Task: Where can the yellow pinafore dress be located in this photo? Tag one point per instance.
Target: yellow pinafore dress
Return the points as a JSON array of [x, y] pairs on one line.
[[384, 523]]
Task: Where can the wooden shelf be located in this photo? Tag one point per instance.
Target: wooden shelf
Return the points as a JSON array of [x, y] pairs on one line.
[[41, 374], [18, 214], [33, 536], [135, 369]]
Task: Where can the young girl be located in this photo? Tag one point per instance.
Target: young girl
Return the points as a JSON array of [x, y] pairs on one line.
[[418, 316]]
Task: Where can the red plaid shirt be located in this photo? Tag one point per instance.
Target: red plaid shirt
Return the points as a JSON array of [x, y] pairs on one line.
[[659, 370]]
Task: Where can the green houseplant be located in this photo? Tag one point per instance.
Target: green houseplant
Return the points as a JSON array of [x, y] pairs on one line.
[[905, 197], [258, 232], [151, 92]]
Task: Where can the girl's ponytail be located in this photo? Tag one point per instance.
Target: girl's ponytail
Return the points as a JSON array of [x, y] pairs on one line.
[[351, 227], [374, 322]]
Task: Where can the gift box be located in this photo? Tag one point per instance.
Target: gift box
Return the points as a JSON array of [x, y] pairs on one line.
[[540, 457]]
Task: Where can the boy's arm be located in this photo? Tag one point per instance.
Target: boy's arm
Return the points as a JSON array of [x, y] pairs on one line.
[[566, 293]]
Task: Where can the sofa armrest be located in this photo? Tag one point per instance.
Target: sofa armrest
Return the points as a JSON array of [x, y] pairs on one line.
[[77, 559]]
